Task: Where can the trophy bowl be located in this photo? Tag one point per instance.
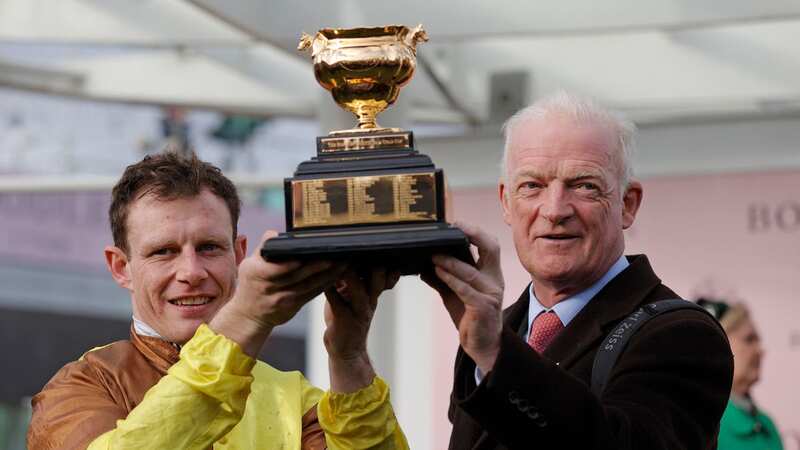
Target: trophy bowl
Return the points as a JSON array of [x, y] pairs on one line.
[[364, 68]]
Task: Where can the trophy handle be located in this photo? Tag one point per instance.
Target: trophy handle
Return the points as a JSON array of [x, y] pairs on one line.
[[305, 42], [316, 43], [415, 36]]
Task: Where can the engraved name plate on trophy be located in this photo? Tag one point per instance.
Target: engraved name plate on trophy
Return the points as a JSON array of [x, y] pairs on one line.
[[368, 197]]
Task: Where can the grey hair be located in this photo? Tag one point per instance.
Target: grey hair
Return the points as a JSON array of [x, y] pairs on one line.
[[581, 110]]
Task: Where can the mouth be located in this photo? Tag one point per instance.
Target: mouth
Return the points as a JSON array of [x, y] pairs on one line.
[[191, 301], [558, 237]]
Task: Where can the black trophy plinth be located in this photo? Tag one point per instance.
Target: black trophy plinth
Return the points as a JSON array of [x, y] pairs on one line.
[[369, 199]]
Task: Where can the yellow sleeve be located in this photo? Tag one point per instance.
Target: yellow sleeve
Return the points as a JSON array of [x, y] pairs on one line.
[[310, 394], [200, 399], [361, 420]]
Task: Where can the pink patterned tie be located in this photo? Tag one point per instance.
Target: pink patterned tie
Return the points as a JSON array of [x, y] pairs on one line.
[[546, 327]]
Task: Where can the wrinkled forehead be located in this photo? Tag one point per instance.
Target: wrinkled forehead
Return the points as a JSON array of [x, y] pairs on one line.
[[557, 136]]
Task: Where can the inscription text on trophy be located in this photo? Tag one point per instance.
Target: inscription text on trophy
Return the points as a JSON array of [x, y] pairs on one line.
[[370, 199], [337, 144]]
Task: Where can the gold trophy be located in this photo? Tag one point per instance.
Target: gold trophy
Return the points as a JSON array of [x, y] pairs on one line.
[[368, 197]]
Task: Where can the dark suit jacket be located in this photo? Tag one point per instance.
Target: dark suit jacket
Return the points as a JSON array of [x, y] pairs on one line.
[[667, 391]]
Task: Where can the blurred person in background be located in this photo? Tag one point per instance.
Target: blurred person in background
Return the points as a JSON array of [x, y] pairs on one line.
[[744, 426], [188, 377]]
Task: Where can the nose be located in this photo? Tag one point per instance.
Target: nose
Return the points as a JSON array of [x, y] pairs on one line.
[[190, 269], [556, 206]]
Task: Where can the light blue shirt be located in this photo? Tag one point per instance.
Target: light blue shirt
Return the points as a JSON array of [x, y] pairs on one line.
[[567, 309]]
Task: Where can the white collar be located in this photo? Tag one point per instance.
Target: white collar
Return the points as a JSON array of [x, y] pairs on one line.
[[144, 329]]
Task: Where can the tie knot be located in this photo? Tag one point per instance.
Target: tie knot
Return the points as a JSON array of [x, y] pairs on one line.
[[544, 329]]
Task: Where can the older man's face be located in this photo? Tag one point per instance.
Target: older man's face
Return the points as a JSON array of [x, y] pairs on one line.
[[561, 197]]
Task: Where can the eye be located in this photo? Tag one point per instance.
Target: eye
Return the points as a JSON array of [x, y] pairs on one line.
[[163, 251], [526, 187], [208, 247], [588, 186]]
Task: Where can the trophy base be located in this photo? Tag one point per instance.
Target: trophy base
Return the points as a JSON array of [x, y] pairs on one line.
[[406, 248]]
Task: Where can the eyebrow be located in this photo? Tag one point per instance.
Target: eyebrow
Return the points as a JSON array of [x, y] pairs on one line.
[[154, 244], [582, 175], [526, 173]]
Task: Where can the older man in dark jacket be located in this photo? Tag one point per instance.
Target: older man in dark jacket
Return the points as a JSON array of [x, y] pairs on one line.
[[522, 376]]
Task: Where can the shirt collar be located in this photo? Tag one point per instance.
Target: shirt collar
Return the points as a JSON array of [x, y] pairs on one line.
[[144, 329], [567, 309]]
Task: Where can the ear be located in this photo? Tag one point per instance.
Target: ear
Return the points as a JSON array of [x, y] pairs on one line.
[[631, 201], [240, 248], [502, 190], [117, 262]]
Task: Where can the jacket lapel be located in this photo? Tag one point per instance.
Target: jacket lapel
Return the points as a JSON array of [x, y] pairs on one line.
[[517, 314], [620, 297]]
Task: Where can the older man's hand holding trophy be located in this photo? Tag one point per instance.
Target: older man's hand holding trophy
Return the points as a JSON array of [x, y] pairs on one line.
[[368, 197]]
